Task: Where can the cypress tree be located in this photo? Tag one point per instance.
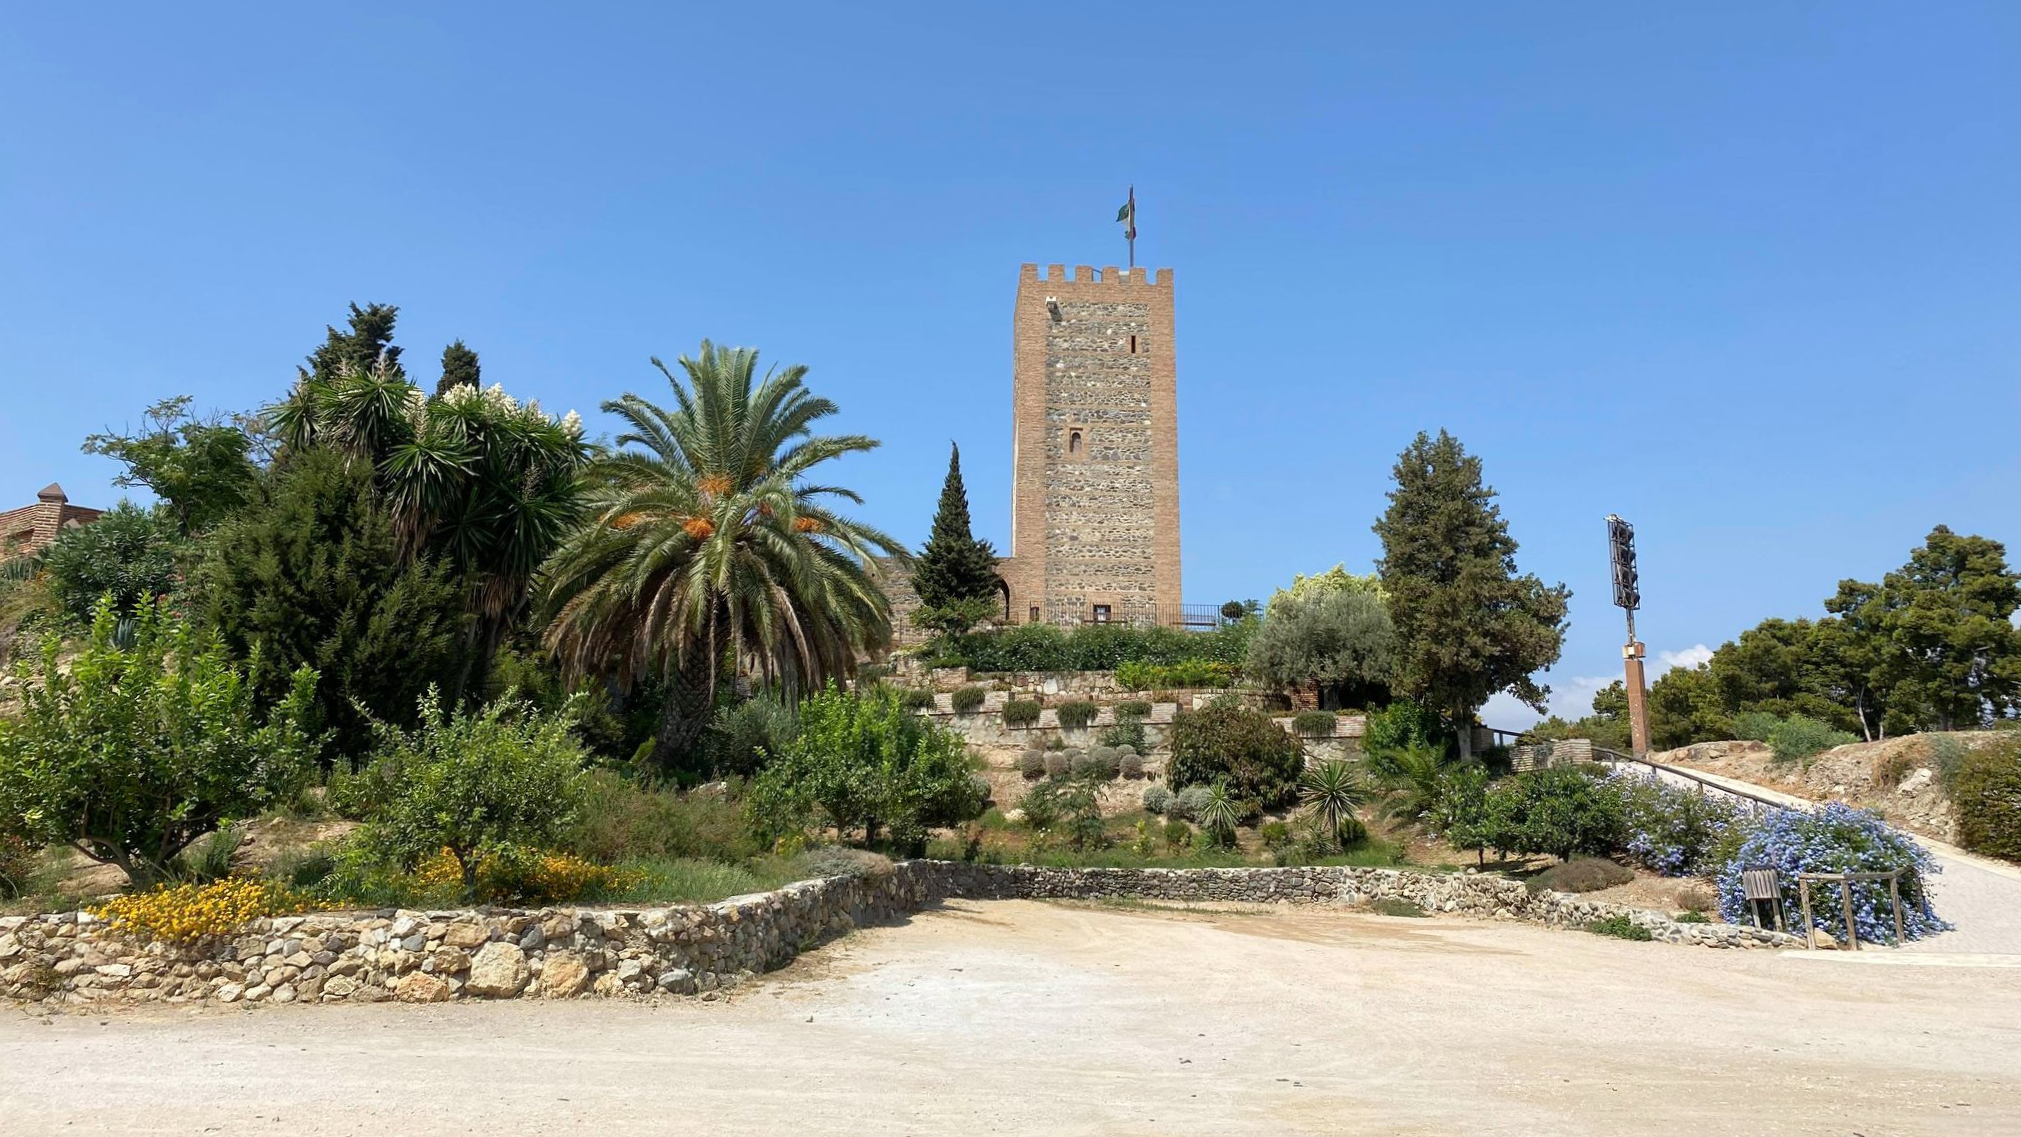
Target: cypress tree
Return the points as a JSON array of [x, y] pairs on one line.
[[955, 575], [370, 334], [459, 369], [1467, 625]]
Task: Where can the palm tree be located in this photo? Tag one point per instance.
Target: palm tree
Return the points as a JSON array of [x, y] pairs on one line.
[[1332, 791], [704, 542], [1415, 778]]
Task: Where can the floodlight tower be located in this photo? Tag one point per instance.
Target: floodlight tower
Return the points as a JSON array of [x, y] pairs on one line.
[[1628, 597]]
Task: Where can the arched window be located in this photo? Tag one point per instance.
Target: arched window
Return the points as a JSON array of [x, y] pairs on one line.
[[1074, 442]]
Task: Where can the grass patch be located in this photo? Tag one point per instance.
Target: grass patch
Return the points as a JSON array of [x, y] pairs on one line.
[[1398, 906], [1692, 918], [1580, 874]]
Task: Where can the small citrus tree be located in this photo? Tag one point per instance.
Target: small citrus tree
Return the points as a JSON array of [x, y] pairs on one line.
[[474, 783], [134, 753]]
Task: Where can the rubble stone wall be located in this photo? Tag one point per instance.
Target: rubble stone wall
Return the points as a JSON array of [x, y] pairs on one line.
[[74, 958]]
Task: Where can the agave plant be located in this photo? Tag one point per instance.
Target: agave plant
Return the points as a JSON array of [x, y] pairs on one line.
[[1331, 792], [706, 545]]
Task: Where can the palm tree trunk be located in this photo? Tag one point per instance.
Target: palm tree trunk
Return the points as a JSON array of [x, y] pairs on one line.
[[691, 696]]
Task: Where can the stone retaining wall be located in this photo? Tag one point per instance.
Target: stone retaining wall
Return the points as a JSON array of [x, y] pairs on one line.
[[74, 958]]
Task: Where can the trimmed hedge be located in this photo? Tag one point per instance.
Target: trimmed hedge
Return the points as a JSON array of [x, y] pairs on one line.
[[915, 698], [1020, 712], [1315, 724], [967, 700], [1077, 714], [1094, 647], [1133, 709], [1142, 676]]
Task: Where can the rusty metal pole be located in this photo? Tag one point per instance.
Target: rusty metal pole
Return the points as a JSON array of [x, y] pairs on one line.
[[1638, 700]]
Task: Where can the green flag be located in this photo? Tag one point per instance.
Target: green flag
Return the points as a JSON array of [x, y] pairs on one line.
[[1128, 216]]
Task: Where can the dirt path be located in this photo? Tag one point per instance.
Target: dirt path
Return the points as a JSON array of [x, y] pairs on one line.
[[1020, 1017]]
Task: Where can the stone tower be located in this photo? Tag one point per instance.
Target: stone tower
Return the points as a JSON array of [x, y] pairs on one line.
[[1095, 449]]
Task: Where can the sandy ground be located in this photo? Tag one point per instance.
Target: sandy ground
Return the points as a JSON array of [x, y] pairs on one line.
[[1022, 1017]]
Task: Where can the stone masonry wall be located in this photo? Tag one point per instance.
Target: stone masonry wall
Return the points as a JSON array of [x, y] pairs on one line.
[[1095, 516], [74, 958]]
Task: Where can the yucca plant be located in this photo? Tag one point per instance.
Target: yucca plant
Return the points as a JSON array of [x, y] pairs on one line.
[[1218, 815], [706, 543], [1332, 792]]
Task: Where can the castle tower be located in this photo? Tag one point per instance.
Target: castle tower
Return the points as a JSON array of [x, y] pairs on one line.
[[1095, 449]]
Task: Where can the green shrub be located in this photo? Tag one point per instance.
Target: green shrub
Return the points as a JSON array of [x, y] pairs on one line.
[[619, 820], [129, 554], [1020, 712], [872, 673], [1132, 709], [744, 737], [474, 783], [1581, 874], [1142, 676], [1799, 737], [1562, 810], [862, 762], [1986, 793], [1620, 927], [1755, 726], [1057, 763], [1102, 764], [1401, 725], [1189, 802], [1129, 763], [1274, 834], [967, 700], [1127, 732], [1398, 906], [1228, 743], [311, 572], [1219, 813], [1032, 764], [1178, 834], [1692, 916], [915, 698], [1076, 715], [1157, 799], [130, 755], [1315, 724]]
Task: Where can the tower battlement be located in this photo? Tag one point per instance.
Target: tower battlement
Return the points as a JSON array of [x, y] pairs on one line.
[[1088, 274]]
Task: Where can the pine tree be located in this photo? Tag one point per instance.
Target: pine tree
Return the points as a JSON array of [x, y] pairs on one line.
[[955, 575], [459, 369], [1467, 625]]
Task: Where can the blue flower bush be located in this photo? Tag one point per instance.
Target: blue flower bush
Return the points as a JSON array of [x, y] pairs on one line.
[[1835, 838], [1671, 829]]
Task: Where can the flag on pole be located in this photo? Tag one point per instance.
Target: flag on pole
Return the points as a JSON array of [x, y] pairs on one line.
[[1128, 215]]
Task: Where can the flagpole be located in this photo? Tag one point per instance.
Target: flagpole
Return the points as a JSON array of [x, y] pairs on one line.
[[1133, 227]]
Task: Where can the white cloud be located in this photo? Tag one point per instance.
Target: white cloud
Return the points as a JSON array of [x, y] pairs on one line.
[[1689, 657], [1570, 699]]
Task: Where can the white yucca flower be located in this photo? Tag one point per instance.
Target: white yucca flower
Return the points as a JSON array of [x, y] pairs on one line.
[[572, 423], [496, 399]]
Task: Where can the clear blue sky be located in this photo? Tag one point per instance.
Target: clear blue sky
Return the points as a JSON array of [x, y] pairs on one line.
[[1749, 275]]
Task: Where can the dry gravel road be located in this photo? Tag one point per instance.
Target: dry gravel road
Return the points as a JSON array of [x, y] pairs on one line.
[[1022, 1017]]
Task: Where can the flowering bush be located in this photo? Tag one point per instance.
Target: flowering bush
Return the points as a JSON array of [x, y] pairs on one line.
[[186, 913], [514, 872], [1835, 838], [1668, 828]]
